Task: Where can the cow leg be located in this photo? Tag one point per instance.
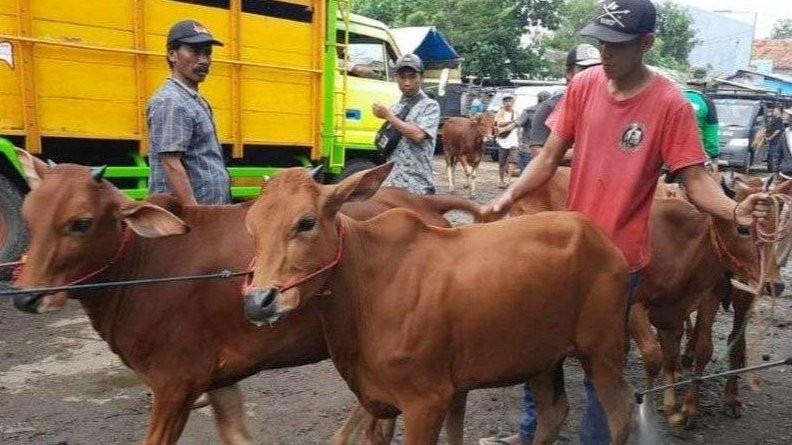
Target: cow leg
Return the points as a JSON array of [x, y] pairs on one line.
[[230, 415], [641, 332], [473, 174], [170, 409], [741, 302], [551, 404], [615, 397], [705, 318], [466, 169], [450, 174], [423, 420], [455, 419], [669, 342], [691, 333], [360, 425]]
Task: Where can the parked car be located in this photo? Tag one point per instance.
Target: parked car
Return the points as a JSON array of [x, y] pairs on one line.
[[739, 120]]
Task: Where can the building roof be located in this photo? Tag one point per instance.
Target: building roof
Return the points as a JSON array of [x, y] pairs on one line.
[[777, 50]]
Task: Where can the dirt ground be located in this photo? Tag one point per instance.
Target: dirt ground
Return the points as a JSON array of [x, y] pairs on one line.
[[60, 384]]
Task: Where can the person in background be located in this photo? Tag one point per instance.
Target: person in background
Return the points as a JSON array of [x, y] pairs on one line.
[[523, 124], [774, 132], [184, 152], [413, 154], [507, 139], [579, 58], [476, 107], [706, 114]]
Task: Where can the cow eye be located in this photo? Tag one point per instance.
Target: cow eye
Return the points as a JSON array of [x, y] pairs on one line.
[[80, 225], [306, 223]]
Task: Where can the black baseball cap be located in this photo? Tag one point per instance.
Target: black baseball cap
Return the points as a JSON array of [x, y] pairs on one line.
[[410, 61], [584, 55], [622, 20], [191, 33]]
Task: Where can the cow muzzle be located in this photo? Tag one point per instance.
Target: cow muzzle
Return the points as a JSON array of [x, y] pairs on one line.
[[260, 306], [28, 302]]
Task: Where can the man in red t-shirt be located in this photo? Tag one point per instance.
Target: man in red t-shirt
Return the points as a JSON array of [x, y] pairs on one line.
[[625, 121]]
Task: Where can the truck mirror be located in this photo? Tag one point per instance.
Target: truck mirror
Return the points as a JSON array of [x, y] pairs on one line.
[[441, 86]]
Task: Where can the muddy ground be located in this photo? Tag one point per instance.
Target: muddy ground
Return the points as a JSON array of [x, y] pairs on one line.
[[59, 384]]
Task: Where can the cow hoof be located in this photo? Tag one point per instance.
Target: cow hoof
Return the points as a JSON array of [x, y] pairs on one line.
[[733, 410], [687, 361], [692, 422], [676, 419]]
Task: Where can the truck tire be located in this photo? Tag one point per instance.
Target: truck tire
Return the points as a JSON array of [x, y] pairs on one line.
[[13, 234], [353, 166]]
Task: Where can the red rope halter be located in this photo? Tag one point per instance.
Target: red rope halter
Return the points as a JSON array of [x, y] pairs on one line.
[[333, 263]]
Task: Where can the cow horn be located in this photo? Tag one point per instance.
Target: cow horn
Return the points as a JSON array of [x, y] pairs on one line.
[[51, 163], [316, 171], [97, 173]]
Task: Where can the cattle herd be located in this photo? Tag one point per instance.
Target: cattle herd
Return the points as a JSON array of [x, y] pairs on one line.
[[413, 313]]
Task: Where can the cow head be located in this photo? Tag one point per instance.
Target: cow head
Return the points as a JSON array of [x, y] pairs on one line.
[[76, 221], [486, 126], [296, 231]]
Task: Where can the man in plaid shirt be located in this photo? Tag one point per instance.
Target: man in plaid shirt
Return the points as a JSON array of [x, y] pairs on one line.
[[185, 155]]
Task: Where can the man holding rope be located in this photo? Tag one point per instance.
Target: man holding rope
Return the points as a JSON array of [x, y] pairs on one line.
[[625, 120]]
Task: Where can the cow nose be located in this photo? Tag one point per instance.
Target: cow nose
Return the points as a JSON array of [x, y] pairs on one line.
[[774, 289], [25, 302], [259, 305]]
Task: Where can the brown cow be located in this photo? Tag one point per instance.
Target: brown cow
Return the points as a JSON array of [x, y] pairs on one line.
[[415, 320], [463, 141], [685, 270], [180, 338]]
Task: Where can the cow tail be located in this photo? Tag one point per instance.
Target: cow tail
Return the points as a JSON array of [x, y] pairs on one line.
[[443, 204]]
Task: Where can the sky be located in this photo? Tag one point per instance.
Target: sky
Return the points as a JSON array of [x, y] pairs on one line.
[[767, 11]]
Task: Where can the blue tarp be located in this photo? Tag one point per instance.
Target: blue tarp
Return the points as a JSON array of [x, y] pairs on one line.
[[427, 43]]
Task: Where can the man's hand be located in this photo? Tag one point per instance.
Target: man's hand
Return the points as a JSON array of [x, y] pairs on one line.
[[755, 206], [381, 111], [498, 207]]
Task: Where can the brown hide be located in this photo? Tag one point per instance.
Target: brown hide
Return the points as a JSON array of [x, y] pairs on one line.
[[181, 338], [683, 275], [463, 141], [420, 314]]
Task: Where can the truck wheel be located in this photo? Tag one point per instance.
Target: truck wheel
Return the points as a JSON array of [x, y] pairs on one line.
[[353, 166], [13, 234]]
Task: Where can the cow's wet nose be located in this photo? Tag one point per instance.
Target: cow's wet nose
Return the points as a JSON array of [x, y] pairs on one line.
[[259, 304], [774, 289], [25, 302]]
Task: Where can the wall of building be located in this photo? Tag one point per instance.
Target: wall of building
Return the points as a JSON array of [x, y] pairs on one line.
[[724, 43]]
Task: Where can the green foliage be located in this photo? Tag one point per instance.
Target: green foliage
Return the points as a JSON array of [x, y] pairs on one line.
[[782, 29], [675, 37], [486, 33]]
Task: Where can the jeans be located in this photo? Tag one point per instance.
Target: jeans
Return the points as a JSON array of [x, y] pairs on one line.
[[594, 429], [775, 154], [523, 159]]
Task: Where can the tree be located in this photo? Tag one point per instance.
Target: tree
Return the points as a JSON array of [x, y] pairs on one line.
[[486, 33], [782, 29], [675, 36]]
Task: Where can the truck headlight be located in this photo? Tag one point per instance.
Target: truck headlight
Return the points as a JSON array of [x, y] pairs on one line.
[[739, 142]]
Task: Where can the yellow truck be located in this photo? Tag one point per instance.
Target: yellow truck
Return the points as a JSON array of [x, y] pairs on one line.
[[75, 78]]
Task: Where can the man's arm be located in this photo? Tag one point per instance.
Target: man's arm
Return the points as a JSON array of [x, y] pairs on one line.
[[707, 195], [177, 177], [540, 170], [412, 132], [170, 131]]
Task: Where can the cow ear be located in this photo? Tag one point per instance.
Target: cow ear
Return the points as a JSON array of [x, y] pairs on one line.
[[33, 168], [150, 221], [358, 187]]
